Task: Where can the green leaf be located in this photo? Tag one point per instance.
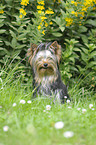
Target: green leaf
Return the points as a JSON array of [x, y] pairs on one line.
[[2, 31], [4, 50], [62, 28], [21, 46], [2, 17], [13, 34], [77, 49], [92, 22], [84, 38], [84, 50], [14, 43], [82, 29], [57, 34], [7, 43], [91, 64], [84, 57], [92, 54], [57, 20], [1, 24], [22, 36]]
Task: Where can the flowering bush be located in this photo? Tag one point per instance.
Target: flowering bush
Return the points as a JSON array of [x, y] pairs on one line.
[[24, 22]]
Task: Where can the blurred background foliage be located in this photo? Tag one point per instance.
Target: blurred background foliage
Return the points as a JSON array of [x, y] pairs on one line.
[[70, 22]]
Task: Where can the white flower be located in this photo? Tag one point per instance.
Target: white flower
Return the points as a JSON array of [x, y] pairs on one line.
[[90, 106], [68, 134], [69, 107], [22, 101], [78, 109], [29, 102], [5, 128], [44, 110], [0, 106], [48, 107], [65, 97], [14, 104], [84, 110], [59, 125], [49, 116], [93, 109], [68, 101]]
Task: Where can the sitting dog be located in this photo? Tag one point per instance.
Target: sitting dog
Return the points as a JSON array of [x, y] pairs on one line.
[[44, 60]]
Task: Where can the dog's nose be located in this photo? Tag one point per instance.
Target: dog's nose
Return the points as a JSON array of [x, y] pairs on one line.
[[45, 64]]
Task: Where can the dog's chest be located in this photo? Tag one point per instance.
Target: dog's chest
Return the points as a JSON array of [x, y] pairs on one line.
[[45, 89]]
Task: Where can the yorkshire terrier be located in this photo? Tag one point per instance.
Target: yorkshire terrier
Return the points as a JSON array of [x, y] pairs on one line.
[[44, 60]]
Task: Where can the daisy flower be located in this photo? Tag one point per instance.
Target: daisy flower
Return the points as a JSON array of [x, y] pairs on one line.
[[90, 106], [5, 128], [14, 104], [59, 125], [68, 101], [78, 109], [48, 107], [84, 110], [29, 102], [22, 101], [65, 97], [68, 134]]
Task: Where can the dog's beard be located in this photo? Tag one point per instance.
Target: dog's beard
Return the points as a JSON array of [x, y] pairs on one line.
[[45, 74], [46, 71]]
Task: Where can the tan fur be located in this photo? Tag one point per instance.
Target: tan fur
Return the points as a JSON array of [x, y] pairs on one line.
[[57, 50], [31, 52]]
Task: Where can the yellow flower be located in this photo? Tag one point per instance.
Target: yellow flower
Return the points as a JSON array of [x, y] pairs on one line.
[[72, 2], [59, 1], [22, 11], [80, 23], [94, 8], [25, 2], [43, 18], [40, 7], [69, 21], [81, 17], [39, 12], [75, 4], [82, 13], [84, 8], [76, 14], [41, 3], [94, 1], [51, 23], [50, 11], [46, 24], [39, 27], [1, 11], [43, 32], [73, 12], [20, 16]]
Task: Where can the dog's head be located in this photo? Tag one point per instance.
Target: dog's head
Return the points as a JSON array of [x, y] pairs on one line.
[[45, 58]]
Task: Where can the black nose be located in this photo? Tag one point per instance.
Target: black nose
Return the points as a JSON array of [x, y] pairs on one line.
[[45, 64]]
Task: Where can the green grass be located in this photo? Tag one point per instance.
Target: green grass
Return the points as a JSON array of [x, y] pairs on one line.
[[30, 125]]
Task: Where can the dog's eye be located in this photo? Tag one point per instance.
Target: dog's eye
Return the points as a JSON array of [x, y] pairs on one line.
[[40, 58], [50, 58]]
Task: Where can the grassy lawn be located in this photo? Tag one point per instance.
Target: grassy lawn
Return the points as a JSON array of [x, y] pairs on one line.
[[32, 124]]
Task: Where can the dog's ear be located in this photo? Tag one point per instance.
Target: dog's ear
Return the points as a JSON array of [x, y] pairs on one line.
[[31, 52], [56, 48]]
